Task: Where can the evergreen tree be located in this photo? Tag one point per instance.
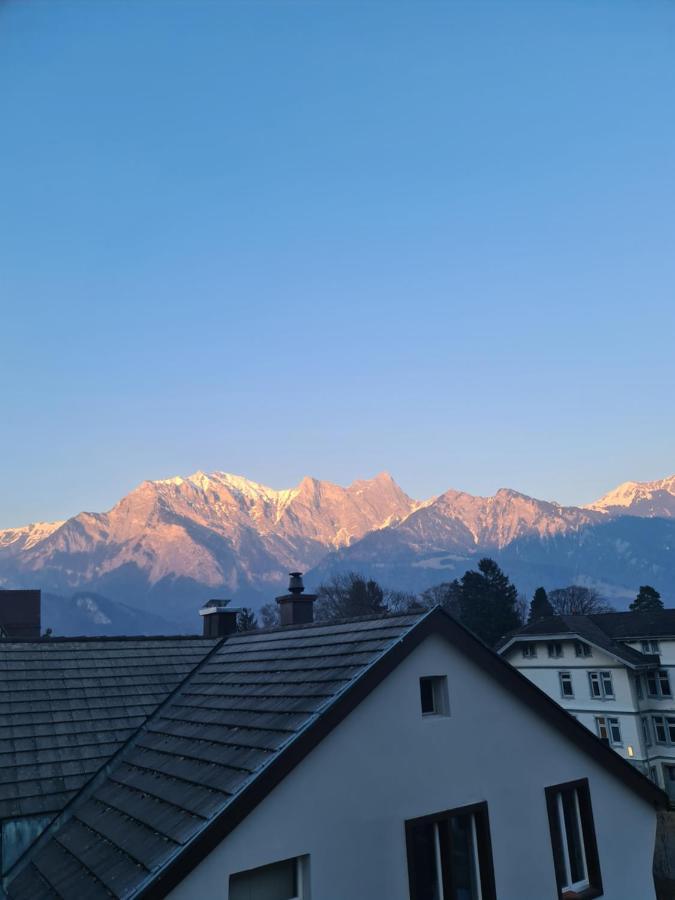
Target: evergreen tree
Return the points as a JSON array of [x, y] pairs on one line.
[[247, 620], [540, 608], [647, 600], [488, 602]]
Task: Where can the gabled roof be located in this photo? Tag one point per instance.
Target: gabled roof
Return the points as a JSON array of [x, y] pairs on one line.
[[592, 629], [67, 705], [246, 716]]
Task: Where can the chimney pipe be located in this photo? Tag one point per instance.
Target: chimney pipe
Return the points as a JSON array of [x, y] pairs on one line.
[[219, 618], [294, 608]]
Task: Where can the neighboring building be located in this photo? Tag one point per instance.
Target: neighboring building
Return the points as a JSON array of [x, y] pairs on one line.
[[615, 672], [20, 614], [390, 757]]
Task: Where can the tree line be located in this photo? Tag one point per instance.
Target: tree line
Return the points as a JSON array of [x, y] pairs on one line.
[[484, 600]]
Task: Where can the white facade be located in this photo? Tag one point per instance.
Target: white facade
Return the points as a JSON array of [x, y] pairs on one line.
[[637, 718], [343, 808]]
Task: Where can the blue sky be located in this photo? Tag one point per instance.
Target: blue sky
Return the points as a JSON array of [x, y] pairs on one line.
[[286, 238]]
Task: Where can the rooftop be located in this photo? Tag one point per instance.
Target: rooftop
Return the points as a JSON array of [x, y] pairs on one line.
[[252, 706]]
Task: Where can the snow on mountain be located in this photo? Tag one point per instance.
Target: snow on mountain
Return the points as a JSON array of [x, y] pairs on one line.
[[169, 544], [217, 532], [649, 499]]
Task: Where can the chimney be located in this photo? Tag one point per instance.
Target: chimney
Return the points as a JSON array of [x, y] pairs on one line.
[[294, 608], [219, 618], [20, 614]]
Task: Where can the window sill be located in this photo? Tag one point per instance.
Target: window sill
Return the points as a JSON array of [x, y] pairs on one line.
[[586, 894]]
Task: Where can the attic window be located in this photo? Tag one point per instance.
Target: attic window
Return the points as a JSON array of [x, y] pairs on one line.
[[278, 881], [434, 695], [582, 649]]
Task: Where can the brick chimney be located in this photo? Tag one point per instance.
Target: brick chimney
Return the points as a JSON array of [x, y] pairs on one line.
[[296, 607], [219, 618]]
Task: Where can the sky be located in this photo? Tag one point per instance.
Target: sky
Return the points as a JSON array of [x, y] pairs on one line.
[[333, 238]]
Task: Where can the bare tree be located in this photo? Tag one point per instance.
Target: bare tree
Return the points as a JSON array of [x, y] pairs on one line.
[[269, 615], [576, 600]]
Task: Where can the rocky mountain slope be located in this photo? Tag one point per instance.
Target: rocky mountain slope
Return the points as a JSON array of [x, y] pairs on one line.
[[170, 544]]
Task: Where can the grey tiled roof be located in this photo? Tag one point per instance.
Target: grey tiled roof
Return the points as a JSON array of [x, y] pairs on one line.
[[240, 709], [600, 630], [67, 705]]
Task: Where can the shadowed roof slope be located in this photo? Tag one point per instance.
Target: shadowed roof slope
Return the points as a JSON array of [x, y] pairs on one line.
[[233, 716], [66, 705]]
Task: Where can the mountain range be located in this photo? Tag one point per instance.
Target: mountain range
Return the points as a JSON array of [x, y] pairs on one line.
[[170, 544]]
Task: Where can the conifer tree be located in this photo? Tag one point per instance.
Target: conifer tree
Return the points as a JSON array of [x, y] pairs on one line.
[[247, 620], [488, 602], [647, 600], [540, 608]]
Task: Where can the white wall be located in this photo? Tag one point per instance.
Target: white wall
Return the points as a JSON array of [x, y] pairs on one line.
[[347, 802]]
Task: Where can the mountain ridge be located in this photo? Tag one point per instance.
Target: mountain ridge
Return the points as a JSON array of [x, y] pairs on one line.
[[171, 543]]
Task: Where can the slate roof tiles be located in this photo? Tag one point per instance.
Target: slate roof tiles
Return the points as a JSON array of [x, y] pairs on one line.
[[238, 710]]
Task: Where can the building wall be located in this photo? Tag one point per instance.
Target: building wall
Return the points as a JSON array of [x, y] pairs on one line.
[[626, 705], [345, 805]]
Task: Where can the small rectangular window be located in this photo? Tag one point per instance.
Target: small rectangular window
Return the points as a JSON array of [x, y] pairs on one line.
[[575, 851], [659, 729], [434, 695], [650, 647], [664, 682], [582, 649], [658, 683], [614, 731], [566, 688], [529, 651], [277, 881], [601, 728], [601, 685], [450, 856], [555, 650], [646, 733]]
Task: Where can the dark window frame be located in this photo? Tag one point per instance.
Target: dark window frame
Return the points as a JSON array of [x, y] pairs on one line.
[[565, 680], [484, 848], [435, 689], [582, 787]]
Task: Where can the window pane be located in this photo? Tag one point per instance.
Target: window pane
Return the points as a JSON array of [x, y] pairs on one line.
[[275, 882], [424, 874], [660, 729], [664, 682], [671, 729], [607, 684], [463, 859], [651, 683], [427, 695], [595, 684], [574, 837], [615, 730]]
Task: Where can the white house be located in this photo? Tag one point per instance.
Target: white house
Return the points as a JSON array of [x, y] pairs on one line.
[[614, 673], [390, 758]]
